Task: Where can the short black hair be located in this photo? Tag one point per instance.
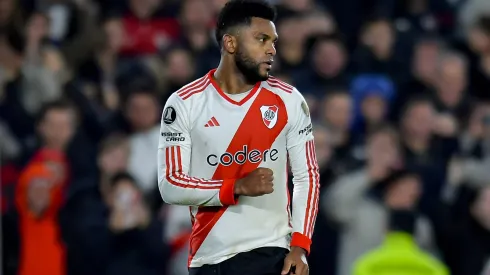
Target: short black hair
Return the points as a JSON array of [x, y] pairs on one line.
[[122, 176], [240, 12], [393, 177], [414, 101], [316, 39], [483, 23]]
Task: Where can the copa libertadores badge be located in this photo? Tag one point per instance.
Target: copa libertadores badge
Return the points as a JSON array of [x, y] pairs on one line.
[[305, 108], [169, 115]]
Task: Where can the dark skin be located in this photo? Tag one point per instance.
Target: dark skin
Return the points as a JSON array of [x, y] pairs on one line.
[[257, 41], [254, 45]]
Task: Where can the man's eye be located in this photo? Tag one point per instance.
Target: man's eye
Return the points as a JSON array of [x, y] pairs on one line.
[[262, 40]]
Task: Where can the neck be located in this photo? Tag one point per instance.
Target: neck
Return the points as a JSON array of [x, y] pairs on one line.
[[229, 79]]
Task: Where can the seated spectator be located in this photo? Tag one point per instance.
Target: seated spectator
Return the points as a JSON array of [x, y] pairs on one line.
[[399, 252]]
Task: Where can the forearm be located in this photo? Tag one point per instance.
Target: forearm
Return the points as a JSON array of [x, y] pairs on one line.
[[305, 194], [177, 187]]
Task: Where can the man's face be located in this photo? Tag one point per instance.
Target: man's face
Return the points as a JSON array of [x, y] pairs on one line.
[[419, 119], [329, 58], [142, 112], [256, 49], [58, 127], [404, 193], [452, 81], [383, 150], [337, 111]]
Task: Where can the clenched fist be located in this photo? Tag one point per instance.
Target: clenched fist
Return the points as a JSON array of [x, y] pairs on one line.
[[257, 183]]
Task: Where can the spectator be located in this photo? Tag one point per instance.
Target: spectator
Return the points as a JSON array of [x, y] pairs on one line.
[[451, 98], [38, 201], [329, 61], [336, 117], [479, 42], [358, 201], [142, 112], [471, 232], [424, 152], [113, 159], [377, 52], [99, 73], [399, 251], [135, 237]]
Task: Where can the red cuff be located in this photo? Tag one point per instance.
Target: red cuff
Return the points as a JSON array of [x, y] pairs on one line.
[[227, 193], [302, 241]]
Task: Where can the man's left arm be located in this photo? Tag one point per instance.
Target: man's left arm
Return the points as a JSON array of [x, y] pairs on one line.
[[306, 176]]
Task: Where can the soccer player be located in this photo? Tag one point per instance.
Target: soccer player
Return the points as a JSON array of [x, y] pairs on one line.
[[224, 148]]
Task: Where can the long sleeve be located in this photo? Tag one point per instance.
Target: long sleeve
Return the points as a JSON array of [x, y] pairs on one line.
[[306, 177], [174, 155]]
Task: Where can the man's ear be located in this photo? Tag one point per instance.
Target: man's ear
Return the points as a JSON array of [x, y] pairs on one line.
[[229, 43]]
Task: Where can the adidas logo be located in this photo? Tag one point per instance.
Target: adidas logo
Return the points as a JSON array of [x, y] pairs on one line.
[[212, 122]]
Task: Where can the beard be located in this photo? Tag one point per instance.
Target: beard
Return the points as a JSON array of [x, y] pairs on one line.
[[249, 68]]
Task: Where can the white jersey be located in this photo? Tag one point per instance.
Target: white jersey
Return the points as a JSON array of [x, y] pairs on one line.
[[208, 141]]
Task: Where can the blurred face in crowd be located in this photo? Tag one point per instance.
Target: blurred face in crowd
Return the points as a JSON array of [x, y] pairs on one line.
[[383, 150], [142, 111], [196, 13], [425, 60], [373, 109], [479, 40], [256, 49], [37, 27], [404, 193], [114, 34], [418, 120], [329, 58], [124, 195], [180, 66], [451, 81], [379, 36], [291, 30], [57, 127], [337, 111], [481, 208], [322, 145], [144, 8], [114, 158]]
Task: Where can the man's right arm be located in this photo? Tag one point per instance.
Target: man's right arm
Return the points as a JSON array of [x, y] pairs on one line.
[[174, 157]]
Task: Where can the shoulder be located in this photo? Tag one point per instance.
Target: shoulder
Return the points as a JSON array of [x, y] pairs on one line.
[[286, 91], [289, 94], [191, 90]]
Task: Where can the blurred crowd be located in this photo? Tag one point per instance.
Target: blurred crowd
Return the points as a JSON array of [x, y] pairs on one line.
[[398, 91]]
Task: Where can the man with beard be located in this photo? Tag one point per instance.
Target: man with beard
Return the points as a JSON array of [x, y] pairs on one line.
[[224, 146]]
